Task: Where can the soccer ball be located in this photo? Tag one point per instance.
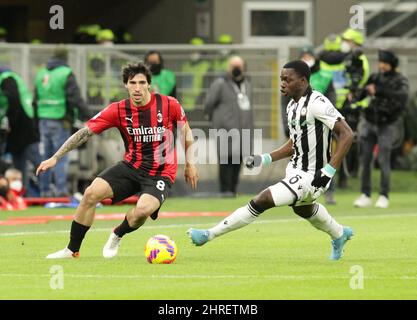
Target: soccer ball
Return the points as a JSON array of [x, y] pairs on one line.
[[160, 249]]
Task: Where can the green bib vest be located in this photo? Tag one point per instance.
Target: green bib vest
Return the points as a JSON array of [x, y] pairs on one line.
[[339, 81], [192, 82], [50, 86], [331, 67], [163, 82], [321, 80], [24, 95]]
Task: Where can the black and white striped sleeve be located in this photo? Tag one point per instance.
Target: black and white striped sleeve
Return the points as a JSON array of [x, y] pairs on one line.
[[324, 111]]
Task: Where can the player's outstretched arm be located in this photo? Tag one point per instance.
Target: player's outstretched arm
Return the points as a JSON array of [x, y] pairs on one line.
[[283, 152], [77, 139], [264, 159], [190, 171]]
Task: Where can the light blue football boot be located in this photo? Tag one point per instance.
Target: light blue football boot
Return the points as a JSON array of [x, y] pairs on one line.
[[338, 244], [198, 236]]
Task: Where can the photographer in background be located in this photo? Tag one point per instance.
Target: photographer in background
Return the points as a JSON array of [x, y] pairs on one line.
[[388, 90], [356, 74]]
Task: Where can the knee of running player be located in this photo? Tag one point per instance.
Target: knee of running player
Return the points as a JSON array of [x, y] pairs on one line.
[[141, 212], [306, 211], [263, 201], [91, 197]]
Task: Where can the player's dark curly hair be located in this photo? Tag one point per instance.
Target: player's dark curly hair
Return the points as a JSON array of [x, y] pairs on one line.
[[132, 69]]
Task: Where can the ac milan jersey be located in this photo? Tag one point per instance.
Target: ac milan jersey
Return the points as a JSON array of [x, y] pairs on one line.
[[147, 132]]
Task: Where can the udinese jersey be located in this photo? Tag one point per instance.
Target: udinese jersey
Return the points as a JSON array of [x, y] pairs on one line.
[[310, 122], [147, 132]]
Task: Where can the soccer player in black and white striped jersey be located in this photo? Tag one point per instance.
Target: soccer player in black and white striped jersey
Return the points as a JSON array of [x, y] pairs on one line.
[[311, 118]]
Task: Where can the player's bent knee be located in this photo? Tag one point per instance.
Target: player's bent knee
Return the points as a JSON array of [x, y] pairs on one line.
[[304, 211], [91, 196], [141, 213], [264, 200]]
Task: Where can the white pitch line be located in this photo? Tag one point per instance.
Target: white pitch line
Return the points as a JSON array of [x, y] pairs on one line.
[[203, 276], [11, 234], [365, 217]]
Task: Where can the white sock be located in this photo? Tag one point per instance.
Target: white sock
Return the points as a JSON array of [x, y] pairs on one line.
[[323, 221], [238, 219]]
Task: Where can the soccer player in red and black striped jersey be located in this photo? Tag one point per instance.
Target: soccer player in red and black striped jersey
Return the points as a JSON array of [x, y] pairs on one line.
[[146, 123]]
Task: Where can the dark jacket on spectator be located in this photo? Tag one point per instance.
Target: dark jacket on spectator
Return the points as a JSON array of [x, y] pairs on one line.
[[390, 98], [23, 130]]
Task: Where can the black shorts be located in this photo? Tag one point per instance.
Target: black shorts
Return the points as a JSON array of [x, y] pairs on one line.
[[125, 181]]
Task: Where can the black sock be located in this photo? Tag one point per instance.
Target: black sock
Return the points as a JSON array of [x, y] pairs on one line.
[[255, 208], [78, 232], [123, 228]]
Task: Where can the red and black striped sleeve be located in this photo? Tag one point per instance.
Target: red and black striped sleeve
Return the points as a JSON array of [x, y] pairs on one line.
[[177, 113], [105, 119]]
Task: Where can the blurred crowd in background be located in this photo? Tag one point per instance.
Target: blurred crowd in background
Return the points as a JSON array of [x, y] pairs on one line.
[[379, 107]]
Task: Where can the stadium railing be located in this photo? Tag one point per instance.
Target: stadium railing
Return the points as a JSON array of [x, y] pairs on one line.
[[263, 67]]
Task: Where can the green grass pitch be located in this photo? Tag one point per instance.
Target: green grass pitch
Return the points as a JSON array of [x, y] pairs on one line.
[[278, 257]]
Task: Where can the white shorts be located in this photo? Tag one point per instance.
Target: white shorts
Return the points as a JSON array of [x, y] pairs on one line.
[[296, 186]]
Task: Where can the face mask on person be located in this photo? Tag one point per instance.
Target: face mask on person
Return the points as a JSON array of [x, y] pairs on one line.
[[236, 72], [3, 191], [345, 47], [310, 62], [16, 185], [155, 68]]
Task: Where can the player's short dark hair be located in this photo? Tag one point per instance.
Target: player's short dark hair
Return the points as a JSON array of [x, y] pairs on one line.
[[132, 69], [300, 67]]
